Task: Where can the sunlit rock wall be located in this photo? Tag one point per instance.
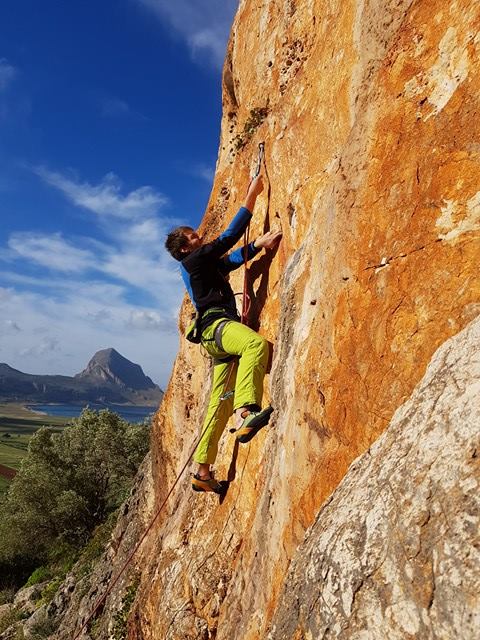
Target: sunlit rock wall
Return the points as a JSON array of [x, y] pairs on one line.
[[369, 113]]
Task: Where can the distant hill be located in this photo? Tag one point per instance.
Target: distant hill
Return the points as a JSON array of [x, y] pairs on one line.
[[108, 378], [110, 366]]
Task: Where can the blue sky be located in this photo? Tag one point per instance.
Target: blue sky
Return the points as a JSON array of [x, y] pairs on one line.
[[109, 128]]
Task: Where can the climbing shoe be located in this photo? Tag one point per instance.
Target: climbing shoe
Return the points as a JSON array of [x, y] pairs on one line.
[[252, 424], [206, 484]]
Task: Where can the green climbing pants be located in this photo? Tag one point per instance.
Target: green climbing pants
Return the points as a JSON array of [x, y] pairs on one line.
[[246, 380]]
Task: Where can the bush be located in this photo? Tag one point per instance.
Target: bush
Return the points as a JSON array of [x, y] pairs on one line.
[[9, 618], [42, 628], [120, 619], [15, 572], [48, 592], [39, 575], [95, 546], [7, 595], [68, 484]]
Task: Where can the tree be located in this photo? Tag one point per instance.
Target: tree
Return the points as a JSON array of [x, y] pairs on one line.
[[68, 484]]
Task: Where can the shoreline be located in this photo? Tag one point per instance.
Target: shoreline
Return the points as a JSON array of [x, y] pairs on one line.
[[65, 412], [70, 411], [84, 404], [37, 413]]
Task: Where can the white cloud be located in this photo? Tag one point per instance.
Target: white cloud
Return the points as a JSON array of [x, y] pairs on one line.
[[211, 40], [149, 320], [5, 295], [204, 172], [136, 257], [7, 73], [160, 280], [51, 251], [10, 326], [112, 107], [135, 254], [156, 276], [45, 346], [150, 231], [95, 294], [203, 24], [105, 198], [102, 315]]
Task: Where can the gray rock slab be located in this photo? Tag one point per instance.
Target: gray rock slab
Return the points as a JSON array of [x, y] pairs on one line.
[[395, 553]]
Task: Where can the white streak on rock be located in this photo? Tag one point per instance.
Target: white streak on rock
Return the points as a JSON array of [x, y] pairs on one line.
[[471, 221]]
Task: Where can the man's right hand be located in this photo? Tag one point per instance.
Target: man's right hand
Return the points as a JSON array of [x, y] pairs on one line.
[[256, 186]]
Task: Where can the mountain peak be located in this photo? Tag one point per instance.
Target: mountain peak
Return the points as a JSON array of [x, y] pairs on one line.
[[108, 365], [108, 355]]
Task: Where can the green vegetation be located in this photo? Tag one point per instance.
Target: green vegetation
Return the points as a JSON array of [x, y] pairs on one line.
[[7, 595], [95, 546], [48, 593], [68, 485], [17, 418], [13, 451], [42, 628], [121, 617], [255, 119], [9, 618], [17, 426], [39, 575]]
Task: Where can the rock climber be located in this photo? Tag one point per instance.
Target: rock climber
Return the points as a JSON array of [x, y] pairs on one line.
[[204, 268]]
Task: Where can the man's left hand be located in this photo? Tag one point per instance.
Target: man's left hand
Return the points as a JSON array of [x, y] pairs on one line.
[[268, 240]]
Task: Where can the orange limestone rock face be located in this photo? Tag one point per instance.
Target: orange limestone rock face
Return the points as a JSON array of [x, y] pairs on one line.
[[369, 114]]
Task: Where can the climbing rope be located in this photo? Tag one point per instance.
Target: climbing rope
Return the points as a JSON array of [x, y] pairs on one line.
[[103, 598], [246, 297], [227, 394]]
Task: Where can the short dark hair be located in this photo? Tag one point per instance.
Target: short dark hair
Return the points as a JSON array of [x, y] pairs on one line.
[[176, 240]]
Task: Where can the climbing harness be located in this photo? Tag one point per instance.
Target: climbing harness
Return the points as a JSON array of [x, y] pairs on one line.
[[226, 395]]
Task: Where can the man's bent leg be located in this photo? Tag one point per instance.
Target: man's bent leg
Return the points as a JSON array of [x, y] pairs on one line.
[[238, 339], [218, 413]]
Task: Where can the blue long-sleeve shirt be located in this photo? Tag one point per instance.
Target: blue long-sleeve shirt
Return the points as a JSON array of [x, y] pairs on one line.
[[204, 270]]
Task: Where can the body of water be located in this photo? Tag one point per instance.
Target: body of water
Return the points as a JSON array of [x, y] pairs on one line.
[[130, 414]]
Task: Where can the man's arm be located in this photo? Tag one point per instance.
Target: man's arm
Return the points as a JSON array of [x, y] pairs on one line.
[[236, 259], [233, 233]]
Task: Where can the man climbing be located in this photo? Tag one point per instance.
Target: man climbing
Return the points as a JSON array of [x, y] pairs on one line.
[[204, 268]]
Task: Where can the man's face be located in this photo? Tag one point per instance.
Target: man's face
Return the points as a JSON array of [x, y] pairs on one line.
[[193, 241]]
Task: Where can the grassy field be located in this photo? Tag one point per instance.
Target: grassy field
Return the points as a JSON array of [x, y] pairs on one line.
[[12, 450], [17, 425], [17, 415]]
